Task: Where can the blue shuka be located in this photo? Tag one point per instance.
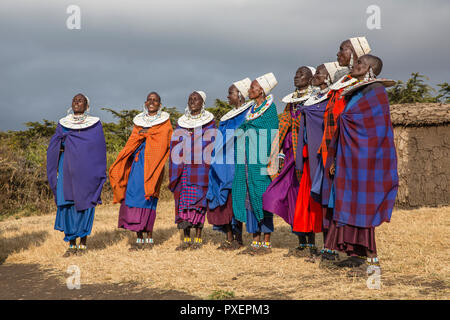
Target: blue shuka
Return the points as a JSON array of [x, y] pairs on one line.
[[221, 173], [135, 194]]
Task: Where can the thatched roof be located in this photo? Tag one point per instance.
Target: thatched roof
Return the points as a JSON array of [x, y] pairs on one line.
[[420, 114]]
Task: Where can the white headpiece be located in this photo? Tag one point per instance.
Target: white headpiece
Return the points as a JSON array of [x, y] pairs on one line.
[[360, 45], [88, 102], [203, 95], [335, 70], [243, 86], [267, 82], [313, 70]]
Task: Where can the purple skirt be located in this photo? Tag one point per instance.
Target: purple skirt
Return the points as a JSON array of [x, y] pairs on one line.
[[352, 240], [222, 214], [281, 195], [136, 219], [194, 218]]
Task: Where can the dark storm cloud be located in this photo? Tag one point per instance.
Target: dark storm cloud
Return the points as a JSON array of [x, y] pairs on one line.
[[126, 49]]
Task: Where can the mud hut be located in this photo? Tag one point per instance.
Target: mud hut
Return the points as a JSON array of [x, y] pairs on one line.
[[422, 139]]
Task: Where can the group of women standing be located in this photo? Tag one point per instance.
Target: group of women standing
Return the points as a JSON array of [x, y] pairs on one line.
[[330, 168]]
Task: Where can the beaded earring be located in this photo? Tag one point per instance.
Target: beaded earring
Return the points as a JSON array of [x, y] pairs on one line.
[[350, 65], [369, 75], [328, 81]]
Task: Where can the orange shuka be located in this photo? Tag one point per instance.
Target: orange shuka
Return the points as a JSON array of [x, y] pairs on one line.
[[156, 153]]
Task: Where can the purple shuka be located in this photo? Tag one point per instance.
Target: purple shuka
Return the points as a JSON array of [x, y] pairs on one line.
[[312, 122], [84, 164]]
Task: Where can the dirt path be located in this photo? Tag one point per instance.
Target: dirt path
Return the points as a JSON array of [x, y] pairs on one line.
[[27, 281]]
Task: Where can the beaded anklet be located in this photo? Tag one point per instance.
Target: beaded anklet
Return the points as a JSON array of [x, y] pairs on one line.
[[325, 250], [373, 261], [149, 240], [256, 244], [187, 240], [198, 240], [266, 244]]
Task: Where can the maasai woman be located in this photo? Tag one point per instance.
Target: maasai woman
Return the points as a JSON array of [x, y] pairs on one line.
[[349, 51], [363, 160], [281, 195], [137, 173], [221, 173], [76, 171], [307, 220], [251, 178], [189, 168]]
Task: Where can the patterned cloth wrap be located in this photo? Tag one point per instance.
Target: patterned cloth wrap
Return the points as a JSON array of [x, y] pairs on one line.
[[335, 106], [194, 166], [286, 122], [258, 178], [366, 177]]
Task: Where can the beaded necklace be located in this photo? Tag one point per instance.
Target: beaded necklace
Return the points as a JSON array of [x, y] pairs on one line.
[[251, 115]]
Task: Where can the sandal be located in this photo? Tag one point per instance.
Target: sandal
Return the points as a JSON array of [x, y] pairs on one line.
[[184, 245], [226, 245], [313, 254], [265, 248], [198, 243], [82, 249], [149, 244], [328, 259], [71, 251], [299, 252], [252, 249]]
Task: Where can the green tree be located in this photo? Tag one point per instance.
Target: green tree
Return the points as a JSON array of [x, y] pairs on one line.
[[444, 92], [220, 108], [174, 115], [414, 90], [116, 134]]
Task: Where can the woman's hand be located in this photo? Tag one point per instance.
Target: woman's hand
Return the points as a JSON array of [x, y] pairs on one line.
[[332, 170]]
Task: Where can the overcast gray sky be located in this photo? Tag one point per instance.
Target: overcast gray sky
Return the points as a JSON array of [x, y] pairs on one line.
[[125, 49]]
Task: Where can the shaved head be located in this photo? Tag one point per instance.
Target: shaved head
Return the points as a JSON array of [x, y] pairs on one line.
[[375, 62]]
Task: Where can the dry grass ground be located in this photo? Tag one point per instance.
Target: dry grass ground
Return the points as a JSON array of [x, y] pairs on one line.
[[413, 251]]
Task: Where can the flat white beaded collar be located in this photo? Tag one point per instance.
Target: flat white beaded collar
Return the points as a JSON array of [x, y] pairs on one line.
[[253, 115], [146, 121], [236, 111], [314, 98], [305, 94], [78, 122], [385, 82], [342, 84], [189, 122]]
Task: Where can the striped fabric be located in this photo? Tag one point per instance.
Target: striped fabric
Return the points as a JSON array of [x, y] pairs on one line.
[[335, 106], [286, 122], [189, 181], [189, 193]]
